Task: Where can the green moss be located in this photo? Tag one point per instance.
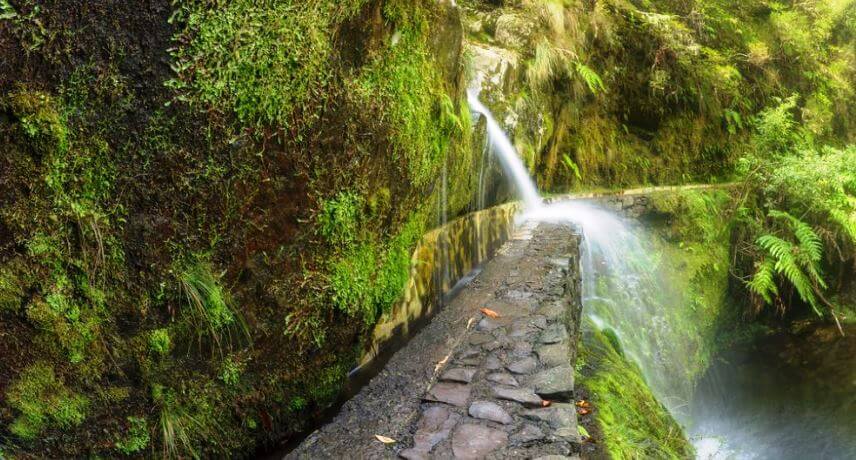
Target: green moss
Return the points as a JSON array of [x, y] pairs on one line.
[[137, 437], [40, 120], [340, 217], [267, 62], [159, 341], [43, 402], [207, 302], [634, 424], [230, 372]]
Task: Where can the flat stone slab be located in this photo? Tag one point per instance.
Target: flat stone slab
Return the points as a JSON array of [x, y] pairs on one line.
[[524, 396], [487, 410], [554, 355], [435, 426], [470, 442], [487, 324], [554, 333], [502, 378], [458, 374], [455, 394], [552, 310], [523, 366], [521, 349], [556, 383]]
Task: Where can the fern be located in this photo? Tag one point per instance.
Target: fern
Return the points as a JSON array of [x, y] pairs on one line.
[[590, 77], [572, 166], [797, 261], [762, 283]]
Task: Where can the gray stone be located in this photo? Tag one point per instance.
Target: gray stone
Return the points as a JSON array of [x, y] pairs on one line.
[[502, 378], [469, 353], [476, 441], [554, 355], [557, 415], [521, 328], [490, 346], [434, 427], [492, 363], [527, 434], [480, 338], [487, 324], [458, 374], [523, 366], [557, 457], [455, 394], [468, 361], [556, 383], [554, 333], [552, 310], [521, 349], [487, 410], [539, 321], [524, 396]]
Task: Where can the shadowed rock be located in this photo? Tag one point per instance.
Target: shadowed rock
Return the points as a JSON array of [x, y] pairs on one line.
[[480, 338], [527, 434], [434, 426], [554, 355], [476, 441], [554, 333]]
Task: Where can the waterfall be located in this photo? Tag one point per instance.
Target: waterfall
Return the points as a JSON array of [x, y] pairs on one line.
[[507, 155]]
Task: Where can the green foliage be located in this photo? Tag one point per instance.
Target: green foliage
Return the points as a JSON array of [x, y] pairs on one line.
[[797, 260], [208, 304], [340, 217], [572, 166], [230, 372], [159, 341], [43, 402], [137, 437], [590, 77], [267, 62]]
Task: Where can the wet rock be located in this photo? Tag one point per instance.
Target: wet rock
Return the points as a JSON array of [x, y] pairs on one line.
[[527, 434], [476, 441], [490, 346], [557, 415], [469, 353], [455, 394], [523, 366], [492, 363], [487, 410], [521, 349], [539, 321], [521, 328], [503, 379], [480, 338], [458, 374], [554, 355], [435, 426], [554, 333], [524, 396], [556, 383]]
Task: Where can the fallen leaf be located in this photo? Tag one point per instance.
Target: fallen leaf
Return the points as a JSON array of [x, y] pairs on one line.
[[583, 403], [583, 432], [583, 411], [545, 403], [489, 312], [384, 439]]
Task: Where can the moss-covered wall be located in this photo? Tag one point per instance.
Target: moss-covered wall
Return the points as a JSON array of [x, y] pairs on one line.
[[627, 92], [205, 208]]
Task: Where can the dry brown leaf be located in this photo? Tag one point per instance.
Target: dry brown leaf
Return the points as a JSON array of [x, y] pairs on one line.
[[384, 439], [583, 403], [582, 411], [489, 312], [546, 403]]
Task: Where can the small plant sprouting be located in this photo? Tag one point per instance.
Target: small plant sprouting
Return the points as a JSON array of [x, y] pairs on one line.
[[208, 303], [137, 437], [159, 341]]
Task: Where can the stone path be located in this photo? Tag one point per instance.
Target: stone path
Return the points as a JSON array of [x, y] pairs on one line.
[[475, 386]]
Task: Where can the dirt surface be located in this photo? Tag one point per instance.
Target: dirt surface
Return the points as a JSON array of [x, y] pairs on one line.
[[437, 396]]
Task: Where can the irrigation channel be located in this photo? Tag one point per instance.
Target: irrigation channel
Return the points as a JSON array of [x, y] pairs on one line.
[[786, 396]]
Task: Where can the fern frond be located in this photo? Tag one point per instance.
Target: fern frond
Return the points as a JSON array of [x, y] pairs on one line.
[[776, 246], [590, 77], [762, 283]]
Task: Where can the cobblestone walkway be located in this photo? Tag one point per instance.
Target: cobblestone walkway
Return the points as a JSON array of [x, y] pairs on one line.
[[493, 384]]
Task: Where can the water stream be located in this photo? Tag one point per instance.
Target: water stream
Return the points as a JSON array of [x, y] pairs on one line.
[[784, 397]]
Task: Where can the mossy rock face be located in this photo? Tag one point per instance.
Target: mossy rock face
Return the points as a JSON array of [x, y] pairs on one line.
[[39, 121], [633, 423]]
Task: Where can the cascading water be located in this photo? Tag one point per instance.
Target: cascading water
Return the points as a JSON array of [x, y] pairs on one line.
[[507, 155]]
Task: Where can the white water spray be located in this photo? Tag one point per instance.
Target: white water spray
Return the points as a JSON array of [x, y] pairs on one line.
[[507, 155]]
